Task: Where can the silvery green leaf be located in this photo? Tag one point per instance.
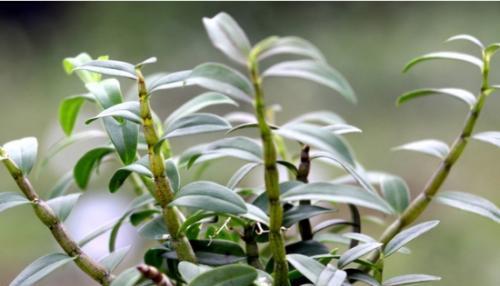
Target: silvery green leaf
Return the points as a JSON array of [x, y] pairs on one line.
[[63, 205], [110, 67], [492, 137], [307, 266], [128, 110], [331, 276], [357, 252], [167, 81], [410, 279], [114, 259], [407, 235], [469, 202], [40, 268], [23, 153], [196, 123], [468, 38], [396, 192], [287, 45], [10, 199], [460, 94], [430, 147], [447, 56]]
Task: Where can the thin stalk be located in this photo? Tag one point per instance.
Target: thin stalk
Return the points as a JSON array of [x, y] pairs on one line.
[[420, 203], [305, 228], [163, 190], [356, 223], [251, 246], [47, 216], [271, 177]]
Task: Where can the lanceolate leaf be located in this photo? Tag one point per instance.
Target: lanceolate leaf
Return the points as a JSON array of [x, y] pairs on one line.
[[23, 153], [127, 110], [155, 229], [307, 266], [410, 279], [357, 252], [315, 71], [129, 277], [300, 212], [69, 109], [70, 63], [430, 147], [337, 193], [222, 79], [167, 81], [115, 258], [447, 56], [196, 104], [189, 270], [147, 61], [107, 92], [196, 123], [228, 275], [460, 94], [331, 276], [362, 277], [62, 206], [110, 67], [227, 36], [240, 174], [256, 214], [173, 174], [211, 197], [396, 192], [468, 38], [40, 268], [471, 203], [10, 199], [408, 235], [87, 163], [491, 50], [492, 137], [324, 117], [287, 45]]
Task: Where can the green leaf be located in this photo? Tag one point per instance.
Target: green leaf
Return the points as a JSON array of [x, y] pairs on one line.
[[128, 110], [61, 186], [287, 45], [492, 137], [97, 232], [341, 129], [319, 138], [10, 199], [337, 193], [460, 94], [357, 252], [189, 270], [196, 104], [63, 205], [314, 71], [362, 277], [23, 153], [301, 212], [214, 252], [254, 213], [87, 163], [410, 279], [129, 277], [109, 67], [211, 197], [227, 36], [223, 79], [469, 202], [430, 147], [331, 276], [240, 174], [40, 268], [107, 92], [147, 61], [468, 38], [154, 229], [140, 167], [173, 175], [196, 123], [115, 258], [69, 109], [396, 192], [307, 266], [69, 65], [447, 56], [408, 235], [491, 50], [323, 117], [238, 116], [167, 81], [228, 275]]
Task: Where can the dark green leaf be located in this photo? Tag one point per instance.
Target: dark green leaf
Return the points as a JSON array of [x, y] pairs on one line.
[[140, 216], [63, 205], [189, 270], [430, 147], [460, 94], [168, 81], [196, 123], [69, 109], [227, 36], [23, 153], [211, 197], [410, 279], [140, 167], [396, 192], [87, 163], [492, 137], [307, 247], [220, 78], [307, 266], [287, 45], [40, 268], [228, 275], [314, 71], [115, 258], [357, 252], [129, 277], [109, 67], [301, 212], [471, 203], [11, 199], [447, 56], [331, 276], [214, 252], [407, 235], [128, 110]]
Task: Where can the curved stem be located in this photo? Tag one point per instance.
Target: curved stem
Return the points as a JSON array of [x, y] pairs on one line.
[[47, 216], [271, 177], [163, 190]]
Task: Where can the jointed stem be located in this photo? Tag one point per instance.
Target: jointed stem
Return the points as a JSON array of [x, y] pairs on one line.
[[164, 193], [271, 177], [47, 216]]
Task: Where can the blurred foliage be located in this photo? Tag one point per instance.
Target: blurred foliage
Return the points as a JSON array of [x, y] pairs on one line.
[[368, 42]]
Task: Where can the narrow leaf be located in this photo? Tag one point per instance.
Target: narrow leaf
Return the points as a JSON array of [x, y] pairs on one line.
[[447, 56], [129, 277], [410, 279], [331, 276], [430, 147], [110, 67], [10, 199], [115, 258], [256, 214], [40, 268], [460, 94], [468, 38], [357, 252], [63, 205], [471, 203], [408, 235], [155, 229], [228, 275], [396, 192], [189, 270], [492, 137], [307, 266], [127, 110], [240, 174], [167, 81], [196, 123], [87, 163], [301, 212], [323, 117], [287, 45], [61, 186]]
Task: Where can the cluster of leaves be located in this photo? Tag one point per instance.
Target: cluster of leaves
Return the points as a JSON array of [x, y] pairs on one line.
[[227, 225]]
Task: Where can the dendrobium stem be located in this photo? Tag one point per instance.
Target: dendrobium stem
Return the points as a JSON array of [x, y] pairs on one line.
[[271, 177], [163, 190], [305, 228], [47, 216]]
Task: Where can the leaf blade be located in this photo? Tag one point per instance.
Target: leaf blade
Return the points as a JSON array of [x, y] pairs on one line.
[[40, 268], [408, 235]]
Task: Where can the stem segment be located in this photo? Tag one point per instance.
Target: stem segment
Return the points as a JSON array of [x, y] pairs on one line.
[[304, 168], [47, 216], [164, 193], [271, 176]]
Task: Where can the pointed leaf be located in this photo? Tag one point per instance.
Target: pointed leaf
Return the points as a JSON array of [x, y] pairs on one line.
[[287, 45], [410, 279], [492, 137], [11, 199], [210, 196], [430, 147], [314, 71], [323, 117], [447, 56], [240, 174], [214, 252], [189, 270], [167, 81], [408, 235], [129, 277], [220, 78], [40, 268], [23, 153], [301, 212], [70, 63], [155, 229], [396, 192], [140, 167], [69, 109], [243, 117], [97, 232], [128, 110], [365, 278], [471, 203], [62, 206], [307, 266], [196, 123], [465, 37], [331, 276], [461, 94], [227, 36], [228, 275], [115, 258], [491, 50], [110, 67], [256, 214], [357, 252], [173, 175], [87, 163], [147, 61]]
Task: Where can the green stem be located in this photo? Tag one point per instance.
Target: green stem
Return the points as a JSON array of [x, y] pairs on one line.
[[305, 228], [47, 216], [163, 190], [271, 177]]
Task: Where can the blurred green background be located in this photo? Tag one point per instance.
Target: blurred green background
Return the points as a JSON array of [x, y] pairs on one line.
[[368, 42]]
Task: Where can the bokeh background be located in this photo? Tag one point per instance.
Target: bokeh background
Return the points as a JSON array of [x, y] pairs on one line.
[[368, 42]]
